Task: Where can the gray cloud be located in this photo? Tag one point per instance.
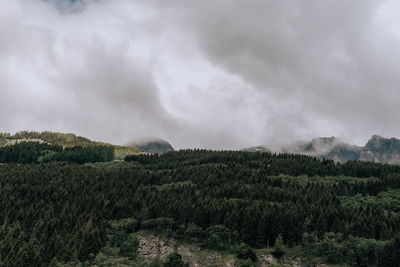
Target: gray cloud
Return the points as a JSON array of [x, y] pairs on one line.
[[69, 6], [329, 60], [59, 77], [220, 75]]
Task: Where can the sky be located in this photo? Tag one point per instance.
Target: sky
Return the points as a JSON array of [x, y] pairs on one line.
[[219, 75]]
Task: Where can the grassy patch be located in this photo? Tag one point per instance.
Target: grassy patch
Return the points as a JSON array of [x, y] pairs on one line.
[[122, 151]]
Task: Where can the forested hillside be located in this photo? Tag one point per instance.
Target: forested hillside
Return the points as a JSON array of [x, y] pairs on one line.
[[35, 152], [320, 210], [64, 140], [60, 139]]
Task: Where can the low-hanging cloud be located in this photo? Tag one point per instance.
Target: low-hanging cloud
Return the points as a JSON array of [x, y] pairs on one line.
[[216, 75]]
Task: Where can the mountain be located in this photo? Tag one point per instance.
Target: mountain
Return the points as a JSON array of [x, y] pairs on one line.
[[152, 145], [325, 147], [377, 149], [380, 149]]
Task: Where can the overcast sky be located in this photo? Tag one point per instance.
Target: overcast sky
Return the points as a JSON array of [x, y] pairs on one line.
[[210, 74]]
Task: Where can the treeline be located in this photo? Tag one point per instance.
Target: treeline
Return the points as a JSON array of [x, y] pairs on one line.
[[215, 199], [273, 164], [35, 152]]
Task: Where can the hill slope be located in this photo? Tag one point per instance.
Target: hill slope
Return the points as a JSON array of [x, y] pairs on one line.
[[62, 139], [344, 214]]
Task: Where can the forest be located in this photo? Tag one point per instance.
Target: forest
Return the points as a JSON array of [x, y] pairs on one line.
[[35, 152], [65, 211]]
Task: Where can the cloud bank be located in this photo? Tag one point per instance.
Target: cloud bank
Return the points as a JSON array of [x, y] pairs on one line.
[[212, 75]]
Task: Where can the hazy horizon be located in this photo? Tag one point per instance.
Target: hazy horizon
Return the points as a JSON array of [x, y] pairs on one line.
[[225, 75]]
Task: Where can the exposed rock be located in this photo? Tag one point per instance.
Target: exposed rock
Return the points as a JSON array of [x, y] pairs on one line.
[[377, 149], [265, 259], [151, 247], [325, 147]]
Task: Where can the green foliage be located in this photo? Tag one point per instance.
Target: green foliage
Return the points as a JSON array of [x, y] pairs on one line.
[[88, 212], [391, 253], [156, 263], [54, 263], [245, 263], [26, 152], [384, 200], [338, 249], [219, 237], [35, 152], [175, 260], [279, 248], [3, 138], [129, 247], [123, 151], [60, 139], [246, 252], [162, 224], [92, 154]]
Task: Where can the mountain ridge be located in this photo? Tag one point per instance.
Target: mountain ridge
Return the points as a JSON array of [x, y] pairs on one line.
[[377, 149]]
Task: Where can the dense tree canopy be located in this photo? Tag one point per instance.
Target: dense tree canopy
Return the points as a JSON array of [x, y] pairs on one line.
[[216, 199], [35, 152]]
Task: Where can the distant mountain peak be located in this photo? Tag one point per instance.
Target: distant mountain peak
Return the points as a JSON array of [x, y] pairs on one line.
[[321, 145], [383, 145], [377, 149], [152, 145], [325, 140]]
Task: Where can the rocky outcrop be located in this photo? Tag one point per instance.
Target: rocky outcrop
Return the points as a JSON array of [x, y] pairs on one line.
[[325, 147], [151, 247]]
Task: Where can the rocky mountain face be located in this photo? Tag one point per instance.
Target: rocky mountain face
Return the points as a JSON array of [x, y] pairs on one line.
[[325, 147], [151, 247], [380, 149], [154, 145], [377, 149]]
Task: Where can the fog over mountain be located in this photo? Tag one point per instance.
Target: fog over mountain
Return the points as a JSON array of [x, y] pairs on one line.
[[226, 74]]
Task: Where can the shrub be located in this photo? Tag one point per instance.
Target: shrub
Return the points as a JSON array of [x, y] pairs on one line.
[[246, 252]]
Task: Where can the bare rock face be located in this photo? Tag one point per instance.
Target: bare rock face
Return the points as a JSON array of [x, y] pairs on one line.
[[377, 149], [265, 259], [151, 247]]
